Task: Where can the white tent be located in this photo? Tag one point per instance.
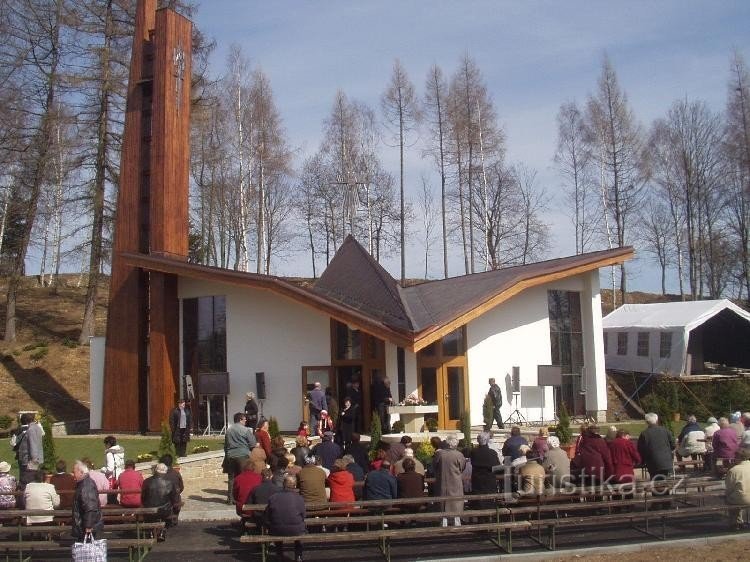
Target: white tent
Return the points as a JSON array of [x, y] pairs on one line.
[[659, 338]]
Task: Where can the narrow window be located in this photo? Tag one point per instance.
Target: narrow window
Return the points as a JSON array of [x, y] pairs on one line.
[[606, 343], [622, 343], [643, 344], [665, 344]]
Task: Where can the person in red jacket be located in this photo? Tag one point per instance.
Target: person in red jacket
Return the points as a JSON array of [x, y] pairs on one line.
[[593, 461], [624, 458], [244, 483], [263, 437], [130, 479], [341, 482]]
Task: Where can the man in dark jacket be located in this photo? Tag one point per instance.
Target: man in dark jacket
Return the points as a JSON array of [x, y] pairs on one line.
[[251, 411], [496, 397], [327, 450], [483, 460], [381, 484], [285, 516], [317, 403], [511, 447], [656, 447], [176, 479], [87, 515], [159, 492], [180, 423], [359, 452]]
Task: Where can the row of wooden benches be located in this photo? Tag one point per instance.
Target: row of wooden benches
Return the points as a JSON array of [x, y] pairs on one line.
[[538, 516], [126, 529]]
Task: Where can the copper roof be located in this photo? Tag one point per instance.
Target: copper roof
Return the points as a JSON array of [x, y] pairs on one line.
[[357, 290]]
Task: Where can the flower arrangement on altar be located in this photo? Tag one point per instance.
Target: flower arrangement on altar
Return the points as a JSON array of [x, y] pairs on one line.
[[413, 400]]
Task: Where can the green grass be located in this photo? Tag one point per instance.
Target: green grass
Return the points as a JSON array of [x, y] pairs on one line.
[[76, 447], [634, 427]]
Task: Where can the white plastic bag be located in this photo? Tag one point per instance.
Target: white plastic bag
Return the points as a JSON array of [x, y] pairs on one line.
[[90, 550]]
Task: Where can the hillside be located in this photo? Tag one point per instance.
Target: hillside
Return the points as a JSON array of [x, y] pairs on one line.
[[46, 369]]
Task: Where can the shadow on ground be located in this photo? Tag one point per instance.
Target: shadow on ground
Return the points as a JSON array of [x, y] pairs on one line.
[[46, 391]]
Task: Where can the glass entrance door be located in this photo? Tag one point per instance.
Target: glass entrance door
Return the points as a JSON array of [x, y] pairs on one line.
[[446, 387]]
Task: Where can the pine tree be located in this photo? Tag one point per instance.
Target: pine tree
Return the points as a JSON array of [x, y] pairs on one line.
[[166, 446]]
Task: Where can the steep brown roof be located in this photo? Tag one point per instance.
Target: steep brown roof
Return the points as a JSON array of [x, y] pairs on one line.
[[355, 289], [355, 279]]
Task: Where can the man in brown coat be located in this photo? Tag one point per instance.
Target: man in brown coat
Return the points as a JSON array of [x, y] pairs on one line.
[[449, 465]]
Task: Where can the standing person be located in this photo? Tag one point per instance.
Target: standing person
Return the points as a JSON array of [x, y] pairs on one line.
[[180, 423], [381, 398], [449, 464], [346, 423], [64, 483], [264, 438], [29, 448], [132, 480], [40, 495], [496, 397], [355, 393], [251, 411], [8, 485], [87, 513], [316, 404], [285, 515], [114, 464], [656, 446], [238, 442], [483, 460]]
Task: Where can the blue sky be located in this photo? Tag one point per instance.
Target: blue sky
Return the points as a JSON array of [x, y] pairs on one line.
[[533, 55]]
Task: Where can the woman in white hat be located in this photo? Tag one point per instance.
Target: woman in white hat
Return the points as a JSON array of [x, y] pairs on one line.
[[8, 486]]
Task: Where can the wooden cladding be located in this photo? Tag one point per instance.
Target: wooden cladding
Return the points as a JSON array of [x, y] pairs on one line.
[[152, 216]]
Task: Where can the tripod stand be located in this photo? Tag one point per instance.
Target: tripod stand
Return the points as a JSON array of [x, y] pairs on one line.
[[516, 416]]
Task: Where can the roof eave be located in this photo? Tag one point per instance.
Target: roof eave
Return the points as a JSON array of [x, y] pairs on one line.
[[311, 299], [434, 333]]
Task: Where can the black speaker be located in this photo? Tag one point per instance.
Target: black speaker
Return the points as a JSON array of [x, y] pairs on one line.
[[516, 379], [260, 386]]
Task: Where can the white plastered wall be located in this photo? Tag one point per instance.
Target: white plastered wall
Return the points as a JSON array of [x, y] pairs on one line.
[[516, 333], [271, 334]]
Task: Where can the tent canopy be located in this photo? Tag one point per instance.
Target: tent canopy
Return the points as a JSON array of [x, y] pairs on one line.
[[669, 315]]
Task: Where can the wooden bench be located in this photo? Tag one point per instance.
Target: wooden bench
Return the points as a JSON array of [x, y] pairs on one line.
[[384, 537], [57, 535]]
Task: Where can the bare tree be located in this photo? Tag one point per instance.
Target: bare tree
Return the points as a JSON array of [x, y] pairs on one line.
[[656, 235], [427, 208], [35, 35], [574, 163], [615, 143], [435, 99], [737, 149], [401, 111]]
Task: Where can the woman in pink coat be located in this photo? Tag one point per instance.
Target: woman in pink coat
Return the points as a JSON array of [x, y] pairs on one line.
[[624, 457]]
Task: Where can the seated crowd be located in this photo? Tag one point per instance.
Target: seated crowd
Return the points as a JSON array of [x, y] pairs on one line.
[[85, 490]]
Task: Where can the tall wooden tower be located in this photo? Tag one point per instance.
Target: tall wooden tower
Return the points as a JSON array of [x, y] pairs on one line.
[[141, 368]]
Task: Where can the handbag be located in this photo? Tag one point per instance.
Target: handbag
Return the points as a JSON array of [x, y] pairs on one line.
[[90, 550]]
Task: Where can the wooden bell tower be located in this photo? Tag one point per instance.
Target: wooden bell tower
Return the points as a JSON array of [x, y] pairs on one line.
[[141, 368]]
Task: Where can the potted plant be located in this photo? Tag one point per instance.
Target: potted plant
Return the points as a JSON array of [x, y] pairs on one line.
[[563, 432]]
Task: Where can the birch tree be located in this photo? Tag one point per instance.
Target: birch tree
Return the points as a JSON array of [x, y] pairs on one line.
[[401, 112], [615, 142]]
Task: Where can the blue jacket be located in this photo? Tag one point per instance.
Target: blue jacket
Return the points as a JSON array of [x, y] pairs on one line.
[[380, 485]]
